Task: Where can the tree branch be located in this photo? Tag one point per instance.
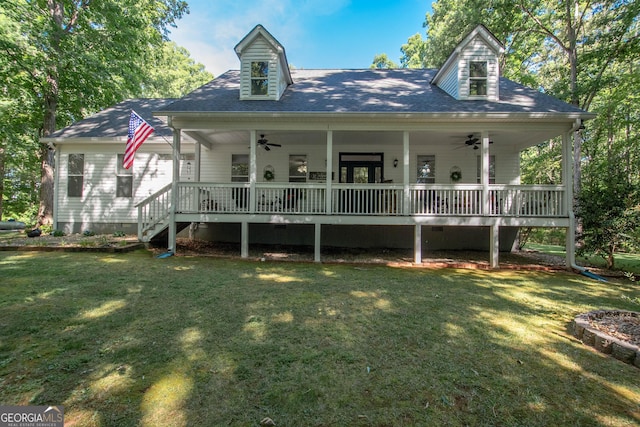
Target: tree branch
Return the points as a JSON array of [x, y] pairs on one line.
[[544, 30]]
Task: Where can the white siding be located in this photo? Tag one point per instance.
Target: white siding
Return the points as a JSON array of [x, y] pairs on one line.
[[477, 50], [216, 163], [99, 203], [507, 163], [259, 50], [449, 82]]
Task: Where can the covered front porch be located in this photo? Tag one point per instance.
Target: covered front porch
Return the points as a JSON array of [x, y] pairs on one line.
[[393, 198]]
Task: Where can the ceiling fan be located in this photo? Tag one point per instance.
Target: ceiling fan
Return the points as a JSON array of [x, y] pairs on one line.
[[475, 142], [266, 144]]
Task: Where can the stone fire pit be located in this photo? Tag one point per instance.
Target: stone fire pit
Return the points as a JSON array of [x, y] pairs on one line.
[[614, 332]]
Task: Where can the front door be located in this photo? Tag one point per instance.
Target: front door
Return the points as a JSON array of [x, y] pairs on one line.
[[361, 168]]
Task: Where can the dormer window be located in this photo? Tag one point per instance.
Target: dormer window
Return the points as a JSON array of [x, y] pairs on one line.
[[478, 78], [472, 71], [264, 70], [259, 78]]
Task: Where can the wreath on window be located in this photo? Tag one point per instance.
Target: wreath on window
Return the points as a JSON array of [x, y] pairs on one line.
[[269, 174], [455, 174]]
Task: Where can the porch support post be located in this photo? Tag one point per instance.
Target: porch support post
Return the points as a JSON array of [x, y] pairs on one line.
[[316, 244], [494, 245], [329, 169], [196, 178], [253, 166], [244, 239], [485, 173], [405, 173], [198, 157], [567, 181], [171, 246], [417, 244]]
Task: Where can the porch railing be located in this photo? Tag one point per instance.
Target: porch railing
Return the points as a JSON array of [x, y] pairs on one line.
[[528, 200], [154, 210], [373, 199]]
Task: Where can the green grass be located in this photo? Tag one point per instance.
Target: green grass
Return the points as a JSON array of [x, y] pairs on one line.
[[628, 262], [131, 340]]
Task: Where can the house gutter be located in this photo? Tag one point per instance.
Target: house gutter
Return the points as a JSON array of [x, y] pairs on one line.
[[572, 221]]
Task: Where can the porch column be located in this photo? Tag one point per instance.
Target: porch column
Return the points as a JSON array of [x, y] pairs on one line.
[[171, 246], [485, 173], [405, 173], [253, 166], [317, 242], [567, 181], [198, 157], [494, 245], [417, 244], [196, 178], [329, 168], [244, 239]]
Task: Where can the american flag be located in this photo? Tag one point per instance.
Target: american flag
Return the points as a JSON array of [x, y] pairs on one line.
[[139, 131]]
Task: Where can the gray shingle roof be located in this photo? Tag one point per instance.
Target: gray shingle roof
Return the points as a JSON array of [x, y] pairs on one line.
[[113, 122], [364, 91]]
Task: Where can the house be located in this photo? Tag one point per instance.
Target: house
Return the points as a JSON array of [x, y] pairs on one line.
[[427, 159]]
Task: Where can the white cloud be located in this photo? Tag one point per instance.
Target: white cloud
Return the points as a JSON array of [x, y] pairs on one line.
[[212, 29]]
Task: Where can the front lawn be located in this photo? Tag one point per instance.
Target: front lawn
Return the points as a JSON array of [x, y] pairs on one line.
[[627, 262], [132, 340]]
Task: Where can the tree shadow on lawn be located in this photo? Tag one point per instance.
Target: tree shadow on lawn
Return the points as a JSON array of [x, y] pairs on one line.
[[132, 340]]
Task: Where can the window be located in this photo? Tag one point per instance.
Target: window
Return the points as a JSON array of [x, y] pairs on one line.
[[75, 175], [297, 168], [259, 78], [426, 170], [239, 168], [124, 179], [478, 78], [492, 169]]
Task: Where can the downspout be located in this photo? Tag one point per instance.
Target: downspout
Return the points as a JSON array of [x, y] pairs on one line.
[[572, 221]]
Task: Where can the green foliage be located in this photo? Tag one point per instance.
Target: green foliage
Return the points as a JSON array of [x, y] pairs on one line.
[[172, 73], [542, 164], [610, 212], [413, 54], [62, 61], [381, 61]]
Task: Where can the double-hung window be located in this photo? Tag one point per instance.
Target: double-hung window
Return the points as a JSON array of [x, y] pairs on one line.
[[239, 168], [426, 170], [75, 175], [259, 78], [478, 78], [124, 179], [297, 168]]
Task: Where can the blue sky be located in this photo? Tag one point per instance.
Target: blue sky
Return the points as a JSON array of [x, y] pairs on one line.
[[314, 33]]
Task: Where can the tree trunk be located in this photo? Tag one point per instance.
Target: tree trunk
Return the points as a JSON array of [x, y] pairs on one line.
[[50, 97], [2, 151], [47, 154]]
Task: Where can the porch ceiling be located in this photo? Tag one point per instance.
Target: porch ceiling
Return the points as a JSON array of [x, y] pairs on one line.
[[518, 138]]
